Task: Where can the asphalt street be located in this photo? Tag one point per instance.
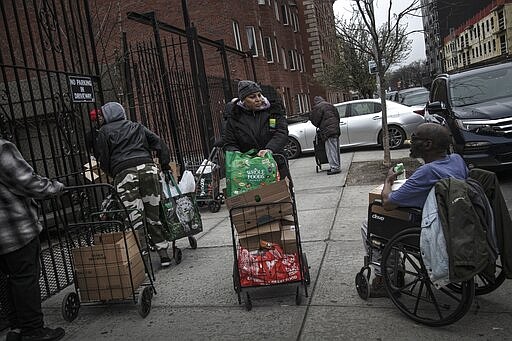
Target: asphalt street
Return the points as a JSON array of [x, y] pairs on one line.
[[195, 299]]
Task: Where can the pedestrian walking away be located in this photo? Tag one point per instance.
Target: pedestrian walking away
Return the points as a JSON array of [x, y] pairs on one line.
[[325, 117], [19, 243], [255, 123], [124, 152]]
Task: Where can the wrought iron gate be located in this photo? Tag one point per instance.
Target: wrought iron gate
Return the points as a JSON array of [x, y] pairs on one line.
[[49, 82]]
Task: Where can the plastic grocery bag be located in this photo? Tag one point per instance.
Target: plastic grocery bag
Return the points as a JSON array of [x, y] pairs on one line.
[[247, 171], [187, 183]]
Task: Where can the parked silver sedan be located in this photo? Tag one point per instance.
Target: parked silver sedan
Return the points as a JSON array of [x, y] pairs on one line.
[[360, 123]]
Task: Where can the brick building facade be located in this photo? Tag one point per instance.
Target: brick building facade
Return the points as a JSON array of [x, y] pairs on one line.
[[290, 40]]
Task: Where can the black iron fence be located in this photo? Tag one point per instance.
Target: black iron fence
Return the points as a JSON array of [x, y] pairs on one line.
[[50, 80], [47, 48]]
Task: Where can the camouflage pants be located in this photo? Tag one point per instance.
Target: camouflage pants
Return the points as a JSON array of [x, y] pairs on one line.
[[139, 188]]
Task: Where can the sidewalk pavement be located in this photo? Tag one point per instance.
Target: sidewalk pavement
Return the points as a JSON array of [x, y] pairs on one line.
[[196, 300]]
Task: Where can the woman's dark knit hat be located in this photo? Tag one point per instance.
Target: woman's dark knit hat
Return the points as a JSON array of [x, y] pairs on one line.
[[247, 87]]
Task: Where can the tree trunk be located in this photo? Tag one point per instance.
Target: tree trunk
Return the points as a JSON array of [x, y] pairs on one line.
[[385, 133]]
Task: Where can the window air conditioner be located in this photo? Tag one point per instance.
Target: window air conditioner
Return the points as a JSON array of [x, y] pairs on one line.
[[261, 2]]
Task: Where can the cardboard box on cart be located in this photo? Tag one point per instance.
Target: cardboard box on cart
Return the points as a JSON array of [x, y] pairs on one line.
[[281, 232], [375, 193], [102, 271], [247, 218]]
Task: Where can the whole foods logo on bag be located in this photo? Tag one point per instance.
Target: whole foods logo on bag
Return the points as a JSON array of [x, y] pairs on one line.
[[255, 174]]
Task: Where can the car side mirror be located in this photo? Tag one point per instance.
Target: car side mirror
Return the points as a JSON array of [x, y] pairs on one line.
[[436, 107]]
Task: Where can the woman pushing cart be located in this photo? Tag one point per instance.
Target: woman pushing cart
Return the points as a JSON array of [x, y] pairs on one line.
[[257, 225]]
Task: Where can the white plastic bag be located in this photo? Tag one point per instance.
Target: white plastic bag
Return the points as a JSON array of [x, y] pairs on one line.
[[187, 183]]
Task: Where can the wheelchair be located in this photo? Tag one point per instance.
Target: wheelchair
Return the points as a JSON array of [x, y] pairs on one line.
[[396, 234]]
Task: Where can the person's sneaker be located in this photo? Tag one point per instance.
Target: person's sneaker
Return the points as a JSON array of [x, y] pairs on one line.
[[42, 334], [13, 335], [165, 260], [335, 171], [378, 288]]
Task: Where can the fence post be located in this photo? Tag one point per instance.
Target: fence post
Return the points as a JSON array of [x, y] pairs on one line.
[[226, 84], [128, 91], [167, 91]]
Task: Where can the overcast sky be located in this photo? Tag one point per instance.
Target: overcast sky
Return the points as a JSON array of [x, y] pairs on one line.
[[342, 8]]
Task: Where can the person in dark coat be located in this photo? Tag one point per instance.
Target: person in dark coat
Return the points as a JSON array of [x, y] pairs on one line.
[[325, 117], [255, 123]]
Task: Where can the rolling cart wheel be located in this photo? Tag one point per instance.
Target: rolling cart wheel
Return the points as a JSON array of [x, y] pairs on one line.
[[298, 296], [305, 266], [248, 302], [193, 242], [144, 301], [70, 306], [362, 286], [178, 255], [214, 206], [220, 198]]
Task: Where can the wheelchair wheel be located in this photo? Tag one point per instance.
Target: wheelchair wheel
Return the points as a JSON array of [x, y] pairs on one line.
[[484, 285], [409, 287]]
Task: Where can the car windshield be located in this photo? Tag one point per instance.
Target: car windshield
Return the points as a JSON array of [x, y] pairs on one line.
[[416, 99], [481, 87]]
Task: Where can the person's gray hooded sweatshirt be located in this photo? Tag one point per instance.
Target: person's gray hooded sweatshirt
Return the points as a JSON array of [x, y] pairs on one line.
[[123, 144]]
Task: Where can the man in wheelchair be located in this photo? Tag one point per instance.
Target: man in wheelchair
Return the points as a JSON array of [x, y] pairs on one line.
[[429, 142]]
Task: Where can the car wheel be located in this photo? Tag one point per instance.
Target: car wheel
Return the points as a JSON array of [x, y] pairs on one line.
[[292, 148], [396, 137]]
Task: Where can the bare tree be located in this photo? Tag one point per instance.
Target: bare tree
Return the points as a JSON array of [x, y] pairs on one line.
[[388, 45], [349, 70]]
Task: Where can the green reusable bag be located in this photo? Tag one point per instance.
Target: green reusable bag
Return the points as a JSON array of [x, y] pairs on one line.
[[247, 171], [179, 214]]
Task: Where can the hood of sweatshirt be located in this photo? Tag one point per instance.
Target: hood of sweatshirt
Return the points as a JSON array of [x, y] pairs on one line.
[[113, 111]]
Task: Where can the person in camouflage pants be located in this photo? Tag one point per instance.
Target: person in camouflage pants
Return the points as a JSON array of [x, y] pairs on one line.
[[139, 189], [124, 151]]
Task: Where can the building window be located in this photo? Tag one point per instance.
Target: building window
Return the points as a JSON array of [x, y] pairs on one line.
[[492, 23], [261, 42], [283, 57], [251, 40], [267, 48], [236, 34], [276, 9], [295, 21], [285, 15], [277, 48], [494, 45], [291, 59]]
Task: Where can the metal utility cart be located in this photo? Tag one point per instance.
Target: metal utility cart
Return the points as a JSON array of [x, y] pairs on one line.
[[110, 260], [208, 182], [267, 248]]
